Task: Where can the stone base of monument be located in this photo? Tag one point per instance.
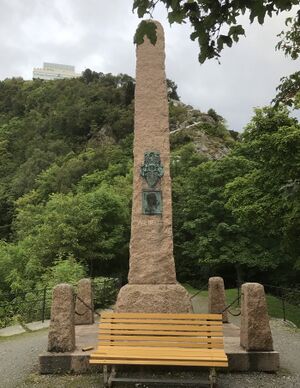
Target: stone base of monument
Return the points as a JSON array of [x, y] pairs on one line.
[[86, 336], [153, 298]]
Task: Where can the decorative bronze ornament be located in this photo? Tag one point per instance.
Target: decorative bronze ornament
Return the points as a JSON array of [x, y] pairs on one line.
[[152, 169]]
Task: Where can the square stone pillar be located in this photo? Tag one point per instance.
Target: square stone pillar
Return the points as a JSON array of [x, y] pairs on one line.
[[61, 337], [84, 307], [216, 297], [255, 328]]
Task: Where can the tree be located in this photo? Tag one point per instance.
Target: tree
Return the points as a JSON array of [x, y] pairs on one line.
[[242, 211], [92, 227], [212, 113], [172, 90], [289, 88], [288, 91], [290, 39], [64, 271], [89, 76], [214, 23], [207, 234], [266, 199]]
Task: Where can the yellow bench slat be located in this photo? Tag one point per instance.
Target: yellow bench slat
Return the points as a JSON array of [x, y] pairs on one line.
[[163, 353], [160, 362], [203, 345], [162, 339], [156, 332], [149, 350], [160, 327], [162, 321], [114, 337], [162, 315], [137, 356]]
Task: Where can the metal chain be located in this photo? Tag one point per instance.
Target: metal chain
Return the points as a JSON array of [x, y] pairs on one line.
[[231, 304], [200, 290], [234, 315], [86, 305]]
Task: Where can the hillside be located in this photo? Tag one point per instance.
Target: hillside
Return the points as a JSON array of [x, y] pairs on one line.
[[45, 124], [65, 186], [207, 131]]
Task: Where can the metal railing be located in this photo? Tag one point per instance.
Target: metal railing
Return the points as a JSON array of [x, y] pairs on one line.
[[35, 304], [288, 310], [26, 306]]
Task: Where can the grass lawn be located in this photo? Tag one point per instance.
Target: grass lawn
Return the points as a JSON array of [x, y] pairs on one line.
[[274, 304]]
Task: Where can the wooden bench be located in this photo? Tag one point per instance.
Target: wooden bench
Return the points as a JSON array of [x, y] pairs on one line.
[[159, 339]]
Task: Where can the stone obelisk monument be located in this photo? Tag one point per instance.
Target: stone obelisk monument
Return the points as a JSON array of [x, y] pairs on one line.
[[152, 285]]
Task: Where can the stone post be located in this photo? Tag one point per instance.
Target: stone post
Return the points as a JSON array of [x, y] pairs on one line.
[[255, 328], [216, 297], [83, 314], [152, 285], [61, 337]]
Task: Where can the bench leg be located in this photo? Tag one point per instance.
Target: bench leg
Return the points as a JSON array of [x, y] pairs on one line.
[[105, 376], [212, 377], [112, 375]]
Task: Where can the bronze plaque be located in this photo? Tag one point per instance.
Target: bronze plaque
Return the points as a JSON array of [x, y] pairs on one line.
[[152, 202]]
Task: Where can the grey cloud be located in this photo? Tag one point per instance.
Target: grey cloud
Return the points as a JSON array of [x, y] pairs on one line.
[[99, 34]]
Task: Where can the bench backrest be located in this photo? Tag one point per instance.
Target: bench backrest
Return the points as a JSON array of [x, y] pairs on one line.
[[157, 330]]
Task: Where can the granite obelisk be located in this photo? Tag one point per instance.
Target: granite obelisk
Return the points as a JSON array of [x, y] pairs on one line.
[[152, 285]]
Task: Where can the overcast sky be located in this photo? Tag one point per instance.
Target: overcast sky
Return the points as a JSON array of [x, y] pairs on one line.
[[98, 34]]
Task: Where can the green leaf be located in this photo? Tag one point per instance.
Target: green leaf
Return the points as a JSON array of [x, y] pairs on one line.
[[202, 56], [236, 30], [147, 28], [176, 16], [258, 10], [142, 7], [224, 39], [175, 4], [194, 35]]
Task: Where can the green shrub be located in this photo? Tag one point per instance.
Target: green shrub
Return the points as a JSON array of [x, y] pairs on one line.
[[105, 291], [180, 138], [63, 271], [177, 115]]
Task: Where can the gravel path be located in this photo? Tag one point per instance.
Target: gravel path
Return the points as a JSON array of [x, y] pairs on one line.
[[19, 357], [287, 343]]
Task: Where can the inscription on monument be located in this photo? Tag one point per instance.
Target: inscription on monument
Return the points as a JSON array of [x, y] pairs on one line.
[[152, 169], [152, 202]]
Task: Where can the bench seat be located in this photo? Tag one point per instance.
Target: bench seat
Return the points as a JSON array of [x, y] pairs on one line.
[[160, 339]]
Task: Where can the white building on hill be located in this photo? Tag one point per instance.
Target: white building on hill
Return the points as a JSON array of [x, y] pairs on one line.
[[55, 71]]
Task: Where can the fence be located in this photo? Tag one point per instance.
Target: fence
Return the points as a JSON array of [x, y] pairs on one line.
[[35, 305], [26, 306], [283, 303]]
